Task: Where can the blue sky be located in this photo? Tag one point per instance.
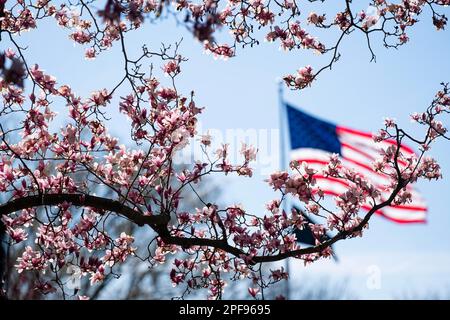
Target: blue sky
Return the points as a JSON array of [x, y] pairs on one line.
[[241, 93]]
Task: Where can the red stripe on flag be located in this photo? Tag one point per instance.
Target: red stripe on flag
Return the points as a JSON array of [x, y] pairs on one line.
[[380, 212], [365, 154], [362, 165], [346, 184], [346, 145], [340, 129]]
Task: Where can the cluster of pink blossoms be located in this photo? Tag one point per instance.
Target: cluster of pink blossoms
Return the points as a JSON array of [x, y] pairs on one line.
[[302, 79], [98, 29]]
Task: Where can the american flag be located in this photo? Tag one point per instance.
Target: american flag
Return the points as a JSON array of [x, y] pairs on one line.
[[313, 141]]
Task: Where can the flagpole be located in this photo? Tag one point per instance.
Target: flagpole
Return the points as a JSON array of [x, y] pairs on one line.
[[283, 165]]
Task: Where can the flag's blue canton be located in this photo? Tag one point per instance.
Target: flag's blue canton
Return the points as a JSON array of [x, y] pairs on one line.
[[308, 132]]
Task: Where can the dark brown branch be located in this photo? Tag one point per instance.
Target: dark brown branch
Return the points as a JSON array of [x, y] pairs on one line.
[[224, 245], [81, 200]]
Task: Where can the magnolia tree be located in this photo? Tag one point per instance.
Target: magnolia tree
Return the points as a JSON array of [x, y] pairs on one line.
[[48, 176], [132, 279]]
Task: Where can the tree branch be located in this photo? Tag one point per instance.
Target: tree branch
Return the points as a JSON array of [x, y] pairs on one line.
[[82, 200]]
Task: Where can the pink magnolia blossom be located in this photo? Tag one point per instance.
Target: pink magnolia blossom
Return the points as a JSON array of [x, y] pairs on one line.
[[253, 291]]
